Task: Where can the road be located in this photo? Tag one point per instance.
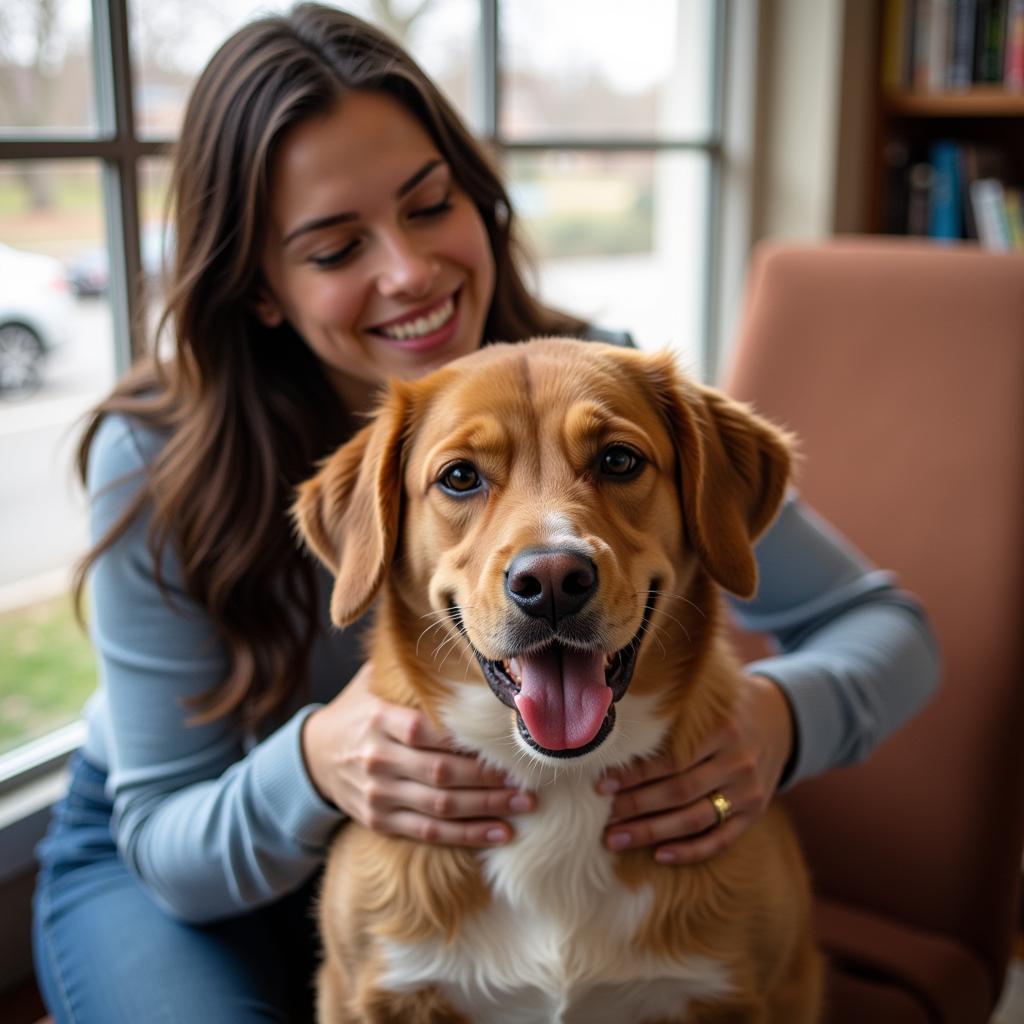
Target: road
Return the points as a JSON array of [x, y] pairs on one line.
[[42, 511]]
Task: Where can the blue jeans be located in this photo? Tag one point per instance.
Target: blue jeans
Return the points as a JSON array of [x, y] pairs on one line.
[[106, 952]]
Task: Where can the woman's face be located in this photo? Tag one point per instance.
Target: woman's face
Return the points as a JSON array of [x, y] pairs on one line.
[[374, 255]]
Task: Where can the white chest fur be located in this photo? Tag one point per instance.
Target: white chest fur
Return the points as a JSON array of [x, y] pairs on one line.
[[556, 943]]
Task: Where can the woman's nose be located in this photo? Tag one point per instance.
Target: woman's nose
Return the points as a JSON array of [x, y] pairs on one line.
[[406, 269]]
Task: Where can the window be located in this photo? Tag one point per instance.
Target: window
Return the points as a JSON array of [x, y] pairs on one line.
[[610, 139]]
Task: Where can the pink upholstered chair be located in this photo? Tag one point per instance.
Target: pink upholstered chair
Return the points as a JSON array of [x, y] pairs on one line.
[[900, 365]]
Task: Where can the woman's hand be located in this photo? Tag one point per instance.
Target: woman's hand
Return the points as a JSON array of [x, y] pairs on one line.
[[657, 803], [391, 769]]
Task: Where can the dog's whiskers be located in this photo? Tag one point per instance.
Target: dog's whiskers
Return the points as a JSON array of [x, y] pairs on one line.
[[653, 631], [678, 622], [679, 597], [435, 625]]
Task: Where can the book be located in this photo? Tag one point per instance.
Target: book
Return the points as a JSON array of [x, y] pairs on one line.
[[922, 46], [989, 41], [944, 201], [919, 186], [896, 46], [940, 33], [1013, 74], [896, 160], [978, 160], [961, 65], [989, 204], [1014, 216]]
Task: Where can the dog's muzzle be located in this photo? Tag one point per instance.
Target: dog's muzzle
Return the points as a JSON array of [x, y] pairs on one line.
[[564, 695]]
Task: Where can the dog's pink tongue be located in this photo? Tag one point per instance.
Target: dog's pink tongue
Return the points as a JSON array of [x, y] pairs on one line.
[[563, 697]]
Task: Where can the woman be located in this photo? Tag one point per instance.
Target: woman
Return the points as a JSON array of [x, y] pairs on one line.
[[336, 225]]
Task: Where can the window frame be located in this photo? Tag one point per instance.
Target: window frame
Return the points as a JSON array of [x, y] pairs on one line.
[[116, 144]]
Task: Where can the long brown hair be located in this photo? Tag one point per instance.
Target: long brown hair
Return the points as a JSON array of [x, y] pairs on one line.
[[245, 408]]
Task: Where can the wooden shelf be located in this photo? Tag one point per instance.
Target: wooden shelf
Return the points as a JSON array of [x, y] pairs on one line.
[[980, 101]]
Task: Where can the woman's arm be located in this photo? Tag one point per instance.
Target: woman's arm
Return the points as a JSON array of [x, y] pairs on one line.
[[210, 822], [858, 659], [857, 656]]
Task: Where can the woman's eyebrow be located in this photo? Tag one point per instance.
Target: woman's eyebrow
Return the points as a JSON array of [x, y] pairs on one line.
[[341, 218], [409, 185]]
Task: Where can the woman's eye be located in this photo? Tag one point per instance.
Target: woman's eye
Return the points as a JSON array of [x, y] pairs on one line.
[[332, 259], [461, 478], [621, 461], [433, 211]]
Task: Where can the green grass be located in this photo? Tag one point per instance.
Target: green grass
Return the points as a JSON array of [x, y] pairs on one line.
[[46, 672]]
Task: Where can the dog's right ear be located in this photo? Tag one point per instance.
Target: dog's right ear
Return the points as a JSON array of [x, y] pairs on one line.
[[349, 512], [733, 470]]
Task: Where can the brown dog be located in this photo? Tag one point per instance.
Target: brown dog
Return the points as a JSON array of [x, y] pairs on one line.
[[563, 513]]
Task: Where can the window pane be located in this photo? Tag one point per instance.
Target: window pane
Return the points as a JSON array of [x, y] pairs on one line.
[[56, 360], [586, 68], [173, 39], [156, 244], [621, 240], [46, 66]]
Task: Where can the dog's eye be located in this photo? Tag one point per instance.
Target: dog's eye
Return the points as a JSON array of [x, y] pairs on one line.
[[460, 478], [621, 461]]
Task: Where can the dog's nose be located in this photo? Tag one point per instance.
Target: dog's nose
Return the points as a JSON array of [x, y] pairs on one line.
[[551, 584]]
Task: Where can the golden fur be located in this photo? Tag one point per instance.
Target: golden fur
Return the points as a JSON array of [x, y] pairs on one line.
[[533, 419]]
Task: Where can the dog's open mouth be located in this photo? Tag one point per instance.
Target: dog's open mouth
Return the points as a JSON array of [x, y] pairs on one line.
[[564, 697]]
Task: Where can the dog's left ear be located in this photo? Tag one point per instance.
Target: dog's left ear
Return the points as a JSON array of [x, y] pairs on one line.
[[734, 468], [349, 512]]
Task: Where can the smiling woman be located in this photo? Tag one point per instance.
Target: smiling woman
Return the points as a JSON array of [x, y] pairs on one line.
[[375, 253]]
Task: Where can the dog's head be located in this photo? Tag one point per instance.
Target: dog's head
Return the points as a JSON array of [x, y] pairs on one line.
[[542, 505]]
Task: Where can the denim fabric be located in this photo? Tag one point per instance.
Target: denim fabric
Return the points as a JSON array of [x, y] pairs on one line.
[[105, 952]]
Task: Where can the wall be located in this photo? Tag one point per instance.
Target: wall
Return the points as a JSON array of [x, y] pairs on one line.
[[815, 95]]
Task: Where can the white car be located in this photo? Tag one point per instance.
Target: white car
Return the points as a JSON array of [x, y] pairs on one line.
[[35, 315]]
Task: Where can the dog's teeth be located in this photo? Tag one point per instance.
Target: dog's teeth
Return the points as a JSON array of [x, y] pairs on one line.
[[512, 668]]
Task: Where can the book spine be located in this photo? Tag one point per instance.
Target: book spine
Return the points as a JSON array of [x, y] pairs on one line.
[[895, 46], [1014, 73], [896, 160], [990, 213], [919, 188], [939, 37], [968, 175], [921, 74], [944, 221], [991, 41], [1014, 216], [961, 71]]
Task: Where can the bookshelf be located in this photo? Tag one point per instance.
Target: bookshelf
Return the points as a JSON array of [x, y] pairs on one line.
[[981, 101], [950, 113]]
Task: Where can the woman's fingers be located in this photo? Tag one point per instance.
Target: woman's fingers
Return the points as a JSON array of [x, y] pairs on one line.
[[449, 804], [637, 773], [394, 770], [657, 803], [704, 846], [667, 793], [433, 766], [694, 818], [410, 727], [427, 829]]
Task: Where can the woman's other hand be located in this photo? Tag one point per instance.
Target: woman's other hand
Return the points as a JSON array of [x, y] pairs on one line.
[[658, 803], [391, 769]]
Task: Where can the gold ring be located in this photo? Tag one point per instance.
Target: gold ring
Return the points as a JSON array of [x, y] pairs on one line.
[[722, 806]]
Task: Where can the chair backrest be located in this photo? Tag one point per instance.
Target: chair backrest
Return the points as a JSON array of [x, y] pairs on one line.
[[900, 365]]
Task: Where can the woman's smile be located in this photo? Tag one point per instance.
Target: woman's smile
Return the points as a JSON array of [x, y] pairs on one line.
[[424, 328]]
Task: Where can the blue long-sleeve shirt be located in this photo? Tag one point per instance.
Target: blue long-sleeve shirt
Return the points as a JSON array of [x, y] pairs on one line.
[[215, 821]]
